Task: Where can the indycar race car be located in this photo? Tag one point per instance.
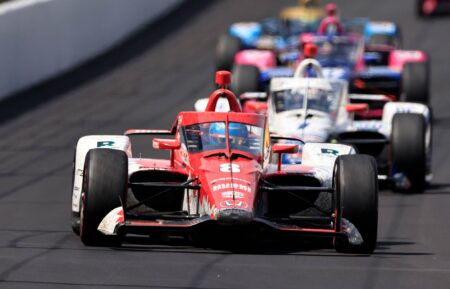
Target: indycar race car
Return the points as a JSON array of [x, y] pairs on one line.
[[276, 36], [224, 174], [341, 56], [384, 55], [317, 109], [272, 35]]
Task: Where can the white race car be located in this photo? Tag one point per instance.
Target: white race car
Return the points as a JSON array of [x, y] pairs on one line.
[[320, 109], [316, 109]]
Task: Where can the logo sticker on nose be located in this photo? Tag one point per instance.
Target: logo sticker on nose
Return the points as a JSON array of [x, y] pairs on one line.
[[236, 204], [241, 204]]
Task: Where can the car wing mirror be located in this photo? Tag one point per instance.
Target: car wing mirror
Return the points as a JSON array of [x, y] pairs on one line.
[[357, 107], [284, 149], [166, 144], [279, 148]]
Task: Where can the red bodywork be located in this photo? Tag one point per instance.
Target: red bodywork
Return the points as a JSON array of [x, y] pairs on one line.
[[396, 58], [226, 186]]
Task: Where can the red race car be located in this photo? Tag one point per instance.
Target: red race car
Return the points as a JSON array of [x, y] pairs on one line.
[[225, 174]]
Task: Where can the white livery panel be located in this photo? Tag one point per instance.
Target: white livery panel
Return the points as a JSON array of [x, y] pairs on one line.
[[85, 144], [392, 108], [324, 154]]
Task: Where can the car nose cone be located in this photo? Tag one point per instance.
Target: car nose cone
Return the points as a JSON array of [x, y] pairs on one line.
[[232, 217]]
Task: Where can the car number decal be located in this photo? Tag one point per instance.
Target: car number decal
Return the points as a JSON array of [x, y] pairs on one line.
[[230, 168]]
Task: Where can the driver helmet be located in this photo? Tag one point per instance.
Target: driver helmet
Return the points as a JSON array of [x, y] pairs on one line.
[[238, 133], [217, 133], [331, 9]]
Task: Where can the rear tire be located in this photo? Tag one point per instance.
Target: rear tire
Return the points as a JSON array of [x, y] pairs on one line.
[[105, 179], [245, 79], [416, 82], [226, 49], [408, 148], [356, 187]]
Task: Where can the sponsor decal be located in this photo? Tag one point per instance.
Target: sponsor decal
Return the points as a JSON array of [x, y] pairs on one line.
[[368, 125], [329, 151], [106, 143], [227, 186], [235, 204], [403, 109], [225, 204], [241, 204], [231, 194], [230, 179]]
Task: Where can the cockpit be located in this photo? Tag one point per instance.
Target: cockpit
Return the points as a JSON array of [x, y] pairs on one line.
[[338, 50], [208, 136], [322, 98]]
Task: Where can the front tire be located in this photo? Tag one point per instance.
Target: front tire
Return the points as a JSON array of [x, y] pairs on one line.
[[356, 187], [105, 179], [416, 82], [409, 149], [245, 79]]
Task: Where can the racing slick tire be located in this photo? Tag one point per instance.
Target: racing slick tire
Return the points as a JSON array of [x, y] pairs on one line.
[[419, 8], [416, 82], [408, 147], [226, 49], [245, 79], [356, 185], [105, 178]]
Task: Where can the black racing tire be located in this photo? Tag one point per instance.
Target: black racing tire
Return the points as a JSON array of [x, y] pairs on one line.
[[105, 179], [226, 49], [408, 137], [419, 8], [416, 82], [245, 79], [75, 223], [356, 185]]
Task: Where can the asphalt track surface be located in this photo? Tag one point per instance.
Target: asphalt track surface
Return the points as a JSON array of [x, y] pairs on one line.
[[144, 83]]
